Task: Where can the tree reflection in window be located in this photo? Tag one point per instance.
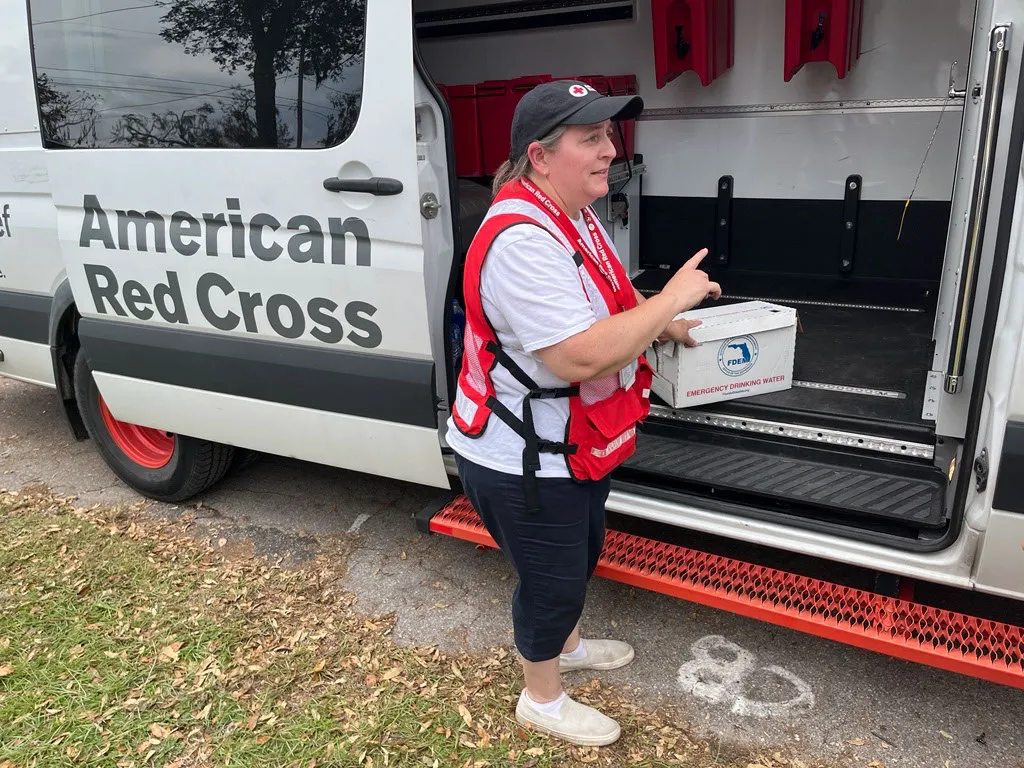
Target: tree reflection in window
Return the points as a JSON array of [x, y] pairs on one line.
[[218, 73]]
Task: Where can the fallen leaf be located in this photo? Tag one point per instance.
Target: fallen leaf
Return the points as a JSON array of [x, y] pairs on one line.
[[159, 731], [170, 652], [391, 674], [6, 670], [320, 666], [534, 751], [858, 742], [466, 715], [947, 735], [456, 671]]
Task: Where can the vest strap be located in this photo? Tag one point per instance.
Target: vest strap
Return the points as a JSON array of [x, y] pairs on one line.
[[525, 428], [519, 427]]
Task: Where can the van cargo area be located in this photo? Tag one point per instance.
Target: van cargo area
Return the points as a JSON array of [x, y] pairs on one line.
[[815, 155]]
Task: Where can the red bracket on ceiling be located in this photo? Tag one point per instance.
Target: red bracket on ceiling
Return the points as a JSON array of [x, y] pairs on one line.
[[825, 31], [692, 35]]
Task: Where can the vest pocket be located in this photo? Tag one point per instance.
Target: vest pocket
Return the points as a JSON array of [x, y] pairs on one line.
[[614, 415]]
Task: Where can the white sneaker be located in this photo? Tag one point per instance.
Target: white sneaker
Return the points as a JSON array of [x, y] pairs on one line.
[[579, 724], [601, 654]]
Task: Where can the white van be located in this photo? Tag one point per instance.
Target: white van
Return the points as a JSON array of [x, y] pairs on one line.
[[253, 243]]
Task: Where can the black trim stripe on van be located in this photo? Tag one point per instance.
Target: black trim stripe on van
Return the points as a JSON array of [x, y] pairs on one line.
[[391, 389], [1009, 493], [25, 316]]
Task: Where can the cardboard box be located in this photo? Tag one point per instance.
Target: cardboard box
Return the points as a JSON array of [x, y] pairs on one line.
[[743, 350]]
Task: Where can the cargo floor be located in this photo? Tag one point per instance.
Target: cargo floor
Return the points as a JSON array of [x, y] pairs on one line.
[[882, 355]]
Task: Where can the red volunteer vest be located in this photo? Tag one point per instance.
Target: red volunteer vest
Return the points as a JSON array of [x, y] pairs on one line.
[[604, 413]]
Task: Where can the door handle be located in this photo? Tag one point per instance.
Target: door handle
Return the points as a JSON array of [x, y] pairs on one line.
[[375, 185]]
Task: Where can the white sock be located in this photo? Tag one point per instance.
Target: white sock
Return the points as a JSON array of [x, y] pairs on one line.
[[579, 653], [550, 708]]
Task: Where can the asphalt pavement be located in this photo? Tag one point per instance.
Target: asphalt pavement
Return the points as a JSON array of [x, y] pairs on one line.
[[742, 682]]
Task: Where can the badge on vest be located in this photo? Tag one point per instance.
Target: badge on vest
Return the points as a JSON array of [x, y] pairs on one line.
[[628, 375]]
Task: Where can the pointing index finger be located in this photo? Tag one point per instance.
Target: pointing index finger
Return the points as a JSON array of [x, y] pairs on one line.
[[694, 261]]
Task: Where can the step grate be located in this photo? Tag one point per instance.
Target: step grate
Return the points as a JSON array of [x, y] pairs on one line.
[[956, 642]]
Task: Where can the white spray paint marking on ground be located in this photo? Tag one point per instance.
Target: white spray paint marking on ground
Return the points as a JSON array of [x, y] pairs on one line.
[[722, 680], [354, 528]]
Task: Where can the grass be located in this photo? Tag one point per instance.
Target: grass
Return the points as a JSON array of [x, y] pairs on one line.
[[126, 642]]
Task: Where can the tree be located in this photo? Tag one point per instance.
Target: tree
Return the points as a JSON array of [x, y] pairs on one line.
[[199, 127], [267, 39], [344, 113], [67, 120]]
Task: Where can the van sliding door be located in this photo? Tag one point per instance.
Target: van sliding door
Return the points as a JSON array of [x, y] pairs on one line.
[[237, 203]]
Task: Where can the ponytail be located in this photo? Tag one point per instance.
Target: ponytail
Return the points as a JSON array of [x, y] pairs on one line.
[[509, 171]]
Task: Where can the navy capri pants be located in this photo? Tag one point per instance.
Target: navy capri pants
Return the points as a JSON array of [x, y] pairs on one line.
[[554, 552]]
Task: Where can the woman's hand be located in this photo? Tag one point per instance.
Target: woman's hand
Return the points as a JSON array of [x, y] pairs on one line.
[[614, 342], [679, 331], [689, 286]]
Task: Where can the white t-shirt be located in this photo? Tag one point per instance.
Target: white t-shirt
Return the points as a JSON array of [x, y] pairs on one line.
[[532, 295]]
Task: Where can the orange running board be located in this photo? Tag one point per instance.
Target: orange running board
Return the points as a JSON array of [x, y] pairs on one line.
[[939, 638]]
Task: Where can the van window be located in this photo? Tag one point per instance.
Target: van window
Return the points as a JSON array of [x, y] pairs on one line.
[[208, 73]]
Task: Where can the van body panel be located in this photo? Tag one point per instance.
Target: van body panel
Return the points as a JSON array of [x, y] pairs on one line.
[[384, 449], [26, 361], [951, 565], [247, 259]]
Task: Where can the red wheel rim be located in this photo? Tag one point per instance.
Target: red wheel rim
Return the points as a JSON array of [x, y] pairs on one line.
[[148, 447]]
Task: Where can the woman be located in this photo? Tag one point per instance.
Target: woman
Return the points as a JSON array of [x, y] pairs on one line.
[[554, 382]]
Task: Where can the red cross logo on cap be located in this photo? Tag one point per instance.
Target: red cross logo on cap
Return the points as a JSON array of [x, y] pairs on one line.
[[578, 91]]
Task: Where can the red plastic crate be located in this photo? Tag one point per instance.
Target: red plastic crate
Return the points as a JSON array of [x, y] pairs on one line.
[[497, 100], [462, 102]]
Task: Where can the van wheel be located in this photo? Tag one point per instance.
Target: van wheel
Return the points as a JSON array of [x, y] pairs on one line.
[[157, 464], [244, 457]]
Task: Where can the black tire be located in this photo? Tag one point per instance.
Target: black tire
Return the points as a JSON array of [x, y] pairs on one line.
[[244, 457], [194, 465]]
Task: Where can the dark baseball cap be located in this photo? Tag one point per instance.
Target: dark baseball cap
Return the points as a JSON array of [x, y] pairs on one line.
[[568, 102]]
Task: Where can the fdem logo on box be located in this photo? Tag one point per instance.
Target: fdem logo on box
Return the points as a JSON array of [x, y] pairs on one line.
[[736, 356]]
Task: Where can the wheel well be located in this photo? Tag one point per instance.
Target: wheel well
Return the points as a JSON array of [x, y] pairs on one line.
[[64, 346]]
